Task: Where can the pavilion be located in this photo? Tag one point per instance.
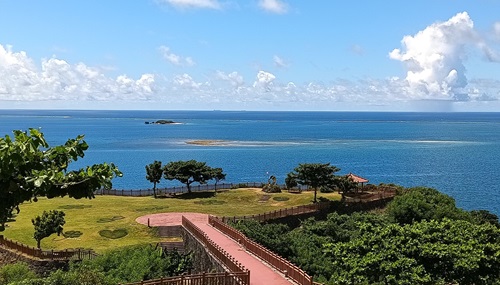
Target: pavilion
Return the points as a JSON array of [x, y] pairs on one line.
[[357, 179]]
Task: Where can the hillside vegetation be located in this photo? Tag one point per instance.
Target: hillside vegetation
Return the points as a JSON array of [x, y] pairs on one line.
[[422, 238]]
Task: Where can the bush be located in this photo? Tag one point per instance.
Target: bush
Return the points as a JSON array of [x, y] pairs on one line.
[[421, 203], [15, 272], [271, 188]]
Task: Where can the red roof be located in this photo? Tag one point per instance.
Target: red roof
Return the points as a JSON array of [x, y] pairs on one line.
[[357, 179]]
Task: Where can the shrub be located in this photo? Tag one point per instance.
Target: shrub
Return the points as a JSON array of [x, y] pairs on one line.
[[15, 272], [421, 203], [271, 188]]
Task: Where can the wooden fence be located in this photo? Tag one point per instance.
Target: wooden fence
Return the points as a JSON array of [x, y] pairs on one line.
[[226, 278], [74, 254], [281, 213], [290, 270], [230, 263]]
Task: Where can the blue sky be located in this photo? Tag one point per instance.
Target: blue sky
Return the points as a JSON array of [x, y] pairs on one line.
[[253, 55]]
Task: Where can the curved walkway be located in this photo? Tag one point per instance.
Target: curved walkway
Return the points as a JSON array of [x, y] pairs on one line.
[[260, 273]]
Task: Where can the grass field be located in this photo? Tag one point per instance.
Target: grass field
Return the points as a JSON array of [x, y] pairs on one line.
[[113, 215]]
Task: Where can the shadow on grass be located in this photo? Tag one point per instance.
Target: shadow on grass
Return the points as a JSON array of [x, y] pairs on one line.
[[195, 195]]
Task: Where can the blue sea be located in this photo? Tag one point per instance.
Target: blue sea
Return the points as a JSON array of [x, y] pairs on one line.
[[456, 153]]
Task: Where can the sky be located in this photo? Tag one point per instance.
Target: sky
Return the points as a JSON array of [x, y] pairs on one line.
[[322, 55]]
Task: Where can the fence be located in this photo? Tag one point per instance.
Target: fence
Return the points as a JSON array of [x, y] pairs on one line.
[[172, 245], [289, 269], [281, 213], [67, 254], [231, 264], [226, 278], [183, 189]]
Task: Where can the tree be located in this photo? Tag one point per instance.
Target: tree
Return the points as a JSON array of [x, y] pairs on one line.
[[189, 171], [218, 175], [423, 203], [50, 222], [154, 171], [29, 169], [315, 175]]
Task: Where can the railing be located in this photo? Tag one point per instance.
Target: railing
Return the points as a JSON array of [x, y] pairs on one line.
[[290, 270], [231, 264], [172, 245], [281, 213], [184, 189], [67, 254], [226, 278]]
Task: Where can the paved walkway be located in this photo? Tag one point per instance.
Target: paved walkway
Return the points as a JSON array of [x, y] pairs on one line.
[[260, 273]]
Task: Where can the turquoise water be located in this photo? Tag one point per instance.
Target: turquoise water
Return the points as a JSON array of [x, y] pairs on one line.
[[457, 153]]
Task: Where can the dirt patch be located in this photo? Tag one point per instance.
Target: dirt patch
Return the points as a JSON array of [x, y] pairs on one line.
[[264, 198]]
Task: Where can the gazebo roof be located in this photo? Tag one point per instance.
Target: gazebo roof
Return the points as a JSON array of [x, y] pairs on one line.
[[357, 179]]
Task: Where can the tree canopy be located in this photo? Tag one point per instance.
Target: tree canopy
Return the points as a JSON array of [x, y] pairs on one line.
[[30, 168], [315, 175], [154, 172], [191, 171], [50, 222]]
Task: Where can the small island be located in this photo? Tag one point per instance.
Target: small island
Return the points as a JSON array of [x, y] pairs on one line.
[[162, 122]]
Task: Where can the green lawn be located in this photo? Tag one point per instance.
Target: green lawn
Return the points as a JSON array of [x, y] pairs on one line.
[[110, 213]]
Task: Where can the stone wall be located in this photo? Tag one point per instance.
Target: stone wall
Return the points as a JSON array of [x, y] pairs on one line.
[[203, 260]]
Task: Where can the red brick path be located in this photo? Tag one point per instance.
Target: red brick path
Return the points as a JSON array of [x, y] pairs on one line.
[[260, 273]]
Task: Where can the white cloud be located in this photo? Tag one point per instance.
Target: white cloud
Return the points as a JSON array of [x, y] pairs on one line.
[[264, 81], [273, 6], [186, 81], [234, 78], [175, 59], [56, 79], [280, 62], [496, 30], [53, 80], [435, 57], [188, 4]]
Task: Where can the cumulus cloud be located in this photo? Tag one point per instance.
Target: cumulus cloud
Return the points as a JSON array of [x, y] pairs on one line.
[[435, 56], [175, 59], [264, 81], [280, 62], [55, 79], [189, 4], [234, 78], [186, 81], [273, 6]]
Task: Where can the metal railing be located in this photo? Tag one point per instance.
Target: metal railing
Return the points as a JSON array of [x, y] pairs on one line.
[[183, 189], [67, 254], [290, 270]]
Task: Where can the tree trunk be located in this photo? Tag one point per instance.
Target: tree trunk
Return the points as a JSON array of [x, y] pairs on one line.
[[38, 243], [189, 187], [315, 190], [154, 189]]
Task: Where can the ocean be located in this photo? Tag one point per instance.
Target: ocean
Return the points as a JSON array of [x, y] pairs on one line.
[[456, 153]]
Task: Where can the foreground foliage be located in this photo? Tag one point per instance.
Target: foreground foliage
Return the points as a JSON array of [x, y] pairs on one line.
[[449, 246], [125, 265], [30, 168]]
